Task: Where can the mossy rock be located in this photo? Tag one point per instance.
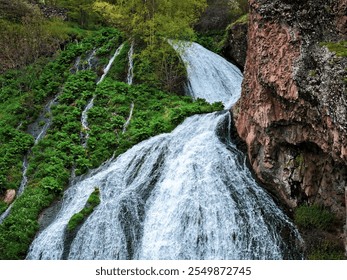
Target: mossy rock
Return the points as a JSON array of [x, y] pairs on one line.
[[339, 48], [78, 218]]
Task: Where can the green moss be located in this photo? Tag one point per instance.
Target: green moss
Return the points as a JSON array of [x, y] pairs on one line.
[[312, 73], [314, 217], [340, 48], [299, 160], [241, 20]]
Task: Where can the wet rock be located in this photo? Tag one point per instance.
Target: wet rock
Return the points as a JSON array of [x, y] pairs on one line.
[[235, 48], [216, 16]]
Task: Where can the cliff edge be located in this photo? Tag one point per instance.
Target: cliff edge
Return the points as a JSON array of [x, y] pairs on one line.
[[293, 110]]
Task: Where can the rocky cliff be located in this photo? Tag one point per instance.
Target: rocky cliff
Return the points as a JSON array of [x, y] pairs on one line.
[[293, 110], [216, 16], [235, 47]]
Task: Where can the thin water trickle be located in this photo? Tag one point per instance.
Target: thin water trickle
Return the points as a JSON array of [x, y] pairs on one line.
[[38, 131], [85, 64], [183, 195], [84, 116], [130, 75]]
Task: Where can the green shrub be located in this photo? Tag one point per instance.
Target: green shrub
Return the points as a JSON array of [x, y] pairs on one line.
[[20, 227], [78, 218], [51, 184], [313, 217], [211, 40], [52, 159], [3, 207]]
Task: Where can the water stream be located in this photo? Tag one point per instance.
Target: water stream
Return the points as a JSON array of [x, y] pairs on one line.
[[84, 117], [130, 75], [38, 130], [210, 76], [183, 195]]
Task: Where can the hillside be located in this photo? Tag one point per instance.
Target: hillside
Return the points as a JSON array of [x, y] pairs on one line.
[[85, 85]]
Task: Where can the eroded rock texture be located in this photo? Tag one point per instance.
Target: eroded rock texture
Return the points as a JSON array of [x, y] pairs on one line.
[[293, 110]]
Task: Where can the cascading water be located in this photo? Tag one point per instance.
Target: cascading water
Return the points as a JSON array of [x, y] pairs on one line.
[[209, 75], [35, 129], [38, 131], [84, 117], [85, 64], [183, 195], [130, 75]]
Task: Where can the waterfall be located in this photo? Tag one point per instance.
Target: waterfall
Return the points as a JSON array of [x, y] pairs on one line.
[[45, 117], [21, 188], [209, 75], [183, 195], [129, 117]]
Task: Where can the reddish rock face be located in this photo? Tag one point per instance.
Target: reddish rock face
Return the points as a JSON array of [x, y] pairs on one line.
[[341, 19], [293, 110]]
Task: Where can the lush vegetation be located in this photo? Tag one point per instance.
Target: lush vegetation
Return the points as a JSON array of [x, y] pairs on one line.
[[213, 40], [318, 225], [153, 21], [149, 24], [51, 161], [314, 217], [78, 218], [23, 94]]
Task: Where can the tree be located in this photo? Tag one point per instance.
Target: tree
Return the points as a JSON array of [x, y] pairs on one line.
[[150, 23], [152, 20], [80, 11]]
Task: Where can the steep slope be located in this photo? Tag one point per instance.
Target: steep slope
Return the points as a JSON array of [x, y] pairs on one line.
[[293, 109]]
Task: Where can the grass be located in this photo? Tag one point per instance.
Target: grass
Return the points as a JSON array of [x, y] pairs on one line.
[[314, 217]]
